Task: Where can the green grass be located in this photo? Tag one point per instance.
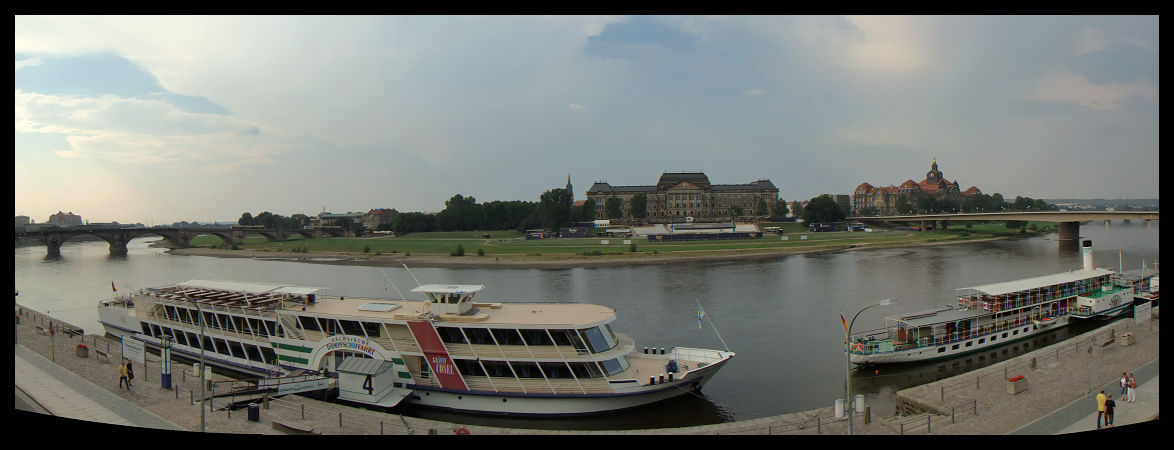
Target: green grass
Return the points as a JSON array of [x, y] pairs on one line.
[[511, 243]]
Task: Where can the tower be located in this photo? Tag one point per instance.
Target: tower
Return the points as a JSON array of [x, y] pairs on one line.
[[934, 174], [572, 191]]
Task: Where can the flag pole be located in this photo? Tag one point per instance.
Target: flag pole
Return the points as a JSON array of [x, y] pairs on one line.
[[719, 335]]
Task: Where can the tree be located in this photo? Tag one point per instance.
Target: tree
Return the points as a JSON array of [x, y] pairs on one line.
[[996, 203], [245, 220], [638, 206], [736, 211], [781, 209], [798, 211], [761, 209], [589, 209], [823, 209], [903, 206], [613, 208], [868, 211], [554, 208], [461, 214]]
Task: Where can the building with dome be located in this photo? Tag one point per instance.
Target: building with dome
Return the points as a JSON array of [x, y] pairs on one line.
[[884, 199]]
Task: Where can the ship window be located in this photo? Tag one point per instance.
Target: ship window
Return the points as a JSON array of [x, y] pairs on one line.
[[506, 336], [181, 338], [371, 328], [536, 337], [970, 344], [942, 350], [236, 349], [586, 370], [497, 369], [955, 347], [1004, 335], [193, 340], [1015, 332], [478, 336], [272, 327], [221, 346], [526, 369], [469, 367], [594, 338], [350, 327], [615, 366], [155, 331], [268, 354], [308, 323], [450, 335], [254, 355], [146, 328], [982, 341], [555, 370]]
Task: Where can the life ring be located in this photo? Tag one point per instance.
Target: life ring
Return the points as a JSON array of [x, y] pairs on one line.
[[859, 347]]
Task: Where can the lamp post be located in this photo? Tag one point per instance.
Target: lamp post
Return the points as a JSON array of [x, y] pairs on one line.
[[202, 367], [165, 363], [848, 357]]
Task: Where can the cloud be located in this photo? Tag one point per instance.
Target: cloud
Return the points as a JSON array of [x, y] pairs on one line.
[[34, 61], [754, 92], [578, 107], [142, 132], [1067, 87]]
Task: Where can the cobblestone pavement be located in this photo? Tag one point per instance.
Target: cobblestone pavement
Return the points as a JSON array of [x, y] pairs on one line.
[[1063, 373], [1055, 383]]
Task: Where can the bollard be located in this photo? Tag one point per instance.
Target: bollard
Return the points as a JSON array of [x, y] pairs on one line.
[[867, 415], [340, 419], [817, 426], [651, 380], [951, 414], [265, 401], [303, 411], [977, 387]]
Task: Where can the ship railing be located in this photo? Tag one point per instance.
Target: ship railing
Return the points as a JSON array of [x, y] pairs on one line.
[[697, 355]]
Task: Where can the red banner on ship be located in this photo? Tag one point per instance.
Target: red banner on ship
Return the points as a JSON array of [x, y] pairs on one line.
[[438, 360]]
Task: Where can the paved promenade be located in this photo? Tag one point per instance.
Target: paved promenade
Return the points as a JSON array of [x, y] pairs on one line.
[[1058, 400]]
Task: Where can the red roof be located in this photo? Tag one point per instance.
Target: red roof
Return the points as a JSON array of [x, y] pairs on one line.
[[864, 187]]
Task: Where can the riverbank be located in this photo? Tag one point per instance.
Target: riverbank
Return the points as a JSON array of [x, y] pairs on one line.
[[557, 261]]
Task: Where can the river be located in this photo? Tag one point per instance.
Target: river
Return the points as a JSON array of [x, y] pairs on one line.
[[781, 316]]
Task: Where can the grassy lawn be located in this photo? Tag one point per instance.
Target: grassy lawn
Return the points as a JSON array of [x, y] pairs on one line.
[[511, 243]]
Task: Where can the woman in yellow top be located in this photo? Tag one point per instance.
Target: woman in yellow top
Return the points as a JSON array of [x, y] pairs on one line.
[[122, 376]]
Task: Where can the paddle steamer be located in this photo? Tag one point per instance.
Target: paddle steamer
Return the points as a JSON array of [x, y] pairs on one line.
[[446, 351], [995, 314]]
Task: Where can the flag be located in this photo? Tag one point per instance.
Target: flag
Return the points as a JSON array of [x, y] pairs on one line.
[[845, 322], [112, 286], [700, 314]]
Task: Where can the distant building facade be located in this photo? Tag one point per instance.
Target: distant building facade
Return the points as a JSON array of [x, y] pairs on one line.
[[331, 219], [68, 219], [21, 221], [378, 216], [688, 194], [884, 199]]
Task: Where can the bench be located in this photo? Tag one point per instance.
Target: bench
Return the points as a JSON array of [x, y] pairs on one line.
[[296, 428], [1108, 343], [102, 354], [40, 329]]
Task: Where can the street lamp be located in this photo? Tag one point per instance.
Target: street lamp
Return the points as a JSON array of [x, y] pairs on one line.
[[202, 367], [165, 364], [848, 357]]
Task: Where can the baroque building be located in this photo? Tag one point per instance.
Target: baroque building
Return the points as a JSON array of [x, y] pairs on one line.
[[884, 199], [687, 194]]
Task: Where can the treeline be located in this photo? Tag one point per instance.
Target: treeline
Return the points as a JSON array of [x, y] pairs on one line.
[[975, 203], [554, 209], [278, 221]]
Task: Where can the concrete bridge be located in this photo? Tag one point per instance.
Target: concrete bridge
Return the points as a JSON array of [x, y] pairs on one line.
[[176, 237], [1069, 220]]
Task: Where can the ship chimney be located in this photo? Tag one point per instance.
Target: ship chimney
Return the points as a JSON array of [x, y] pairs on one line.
[[1086, 249]]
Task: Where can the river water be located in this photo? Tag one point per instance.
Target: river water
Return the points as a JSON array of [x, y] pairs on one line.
[[780, 316]]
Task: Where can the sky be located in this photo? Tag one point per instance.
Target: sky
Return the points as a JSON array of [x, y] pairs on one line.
[[163, 119]]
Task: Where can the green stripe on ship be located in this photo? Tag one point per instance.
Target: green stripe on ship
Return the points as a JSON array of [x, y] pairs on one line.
[[292, 347]]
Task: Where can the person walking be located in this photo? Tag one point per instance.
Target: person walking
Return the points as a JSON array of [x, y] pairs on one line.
[[122, 376], [1100, 408], [1132, 389], [1109, 406], [130, 373]]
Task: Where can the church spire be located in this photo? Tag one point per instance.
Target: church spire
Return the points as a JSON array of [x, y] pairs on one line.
[[572, 191]]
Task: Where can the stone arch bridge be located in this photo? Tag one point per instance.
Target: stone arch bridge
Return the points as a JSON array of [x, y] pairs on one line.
[[176, 237]]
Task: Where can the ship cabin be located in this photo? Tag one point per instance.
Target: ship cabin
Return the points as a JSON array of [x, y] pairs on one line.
[[454, 299]]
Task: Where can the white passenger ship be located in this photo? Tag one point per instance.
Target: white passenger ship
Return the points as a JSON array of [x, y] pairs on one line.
[[996, 314], [446, 352]]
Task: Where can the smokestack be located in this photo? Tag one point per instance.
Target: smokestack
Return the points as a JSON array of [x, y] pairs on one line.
[[1086, 249]]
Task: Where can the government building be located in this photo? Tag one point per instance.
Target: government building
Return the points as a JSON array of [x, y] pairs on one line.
[[884, 199], [686, 194]]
